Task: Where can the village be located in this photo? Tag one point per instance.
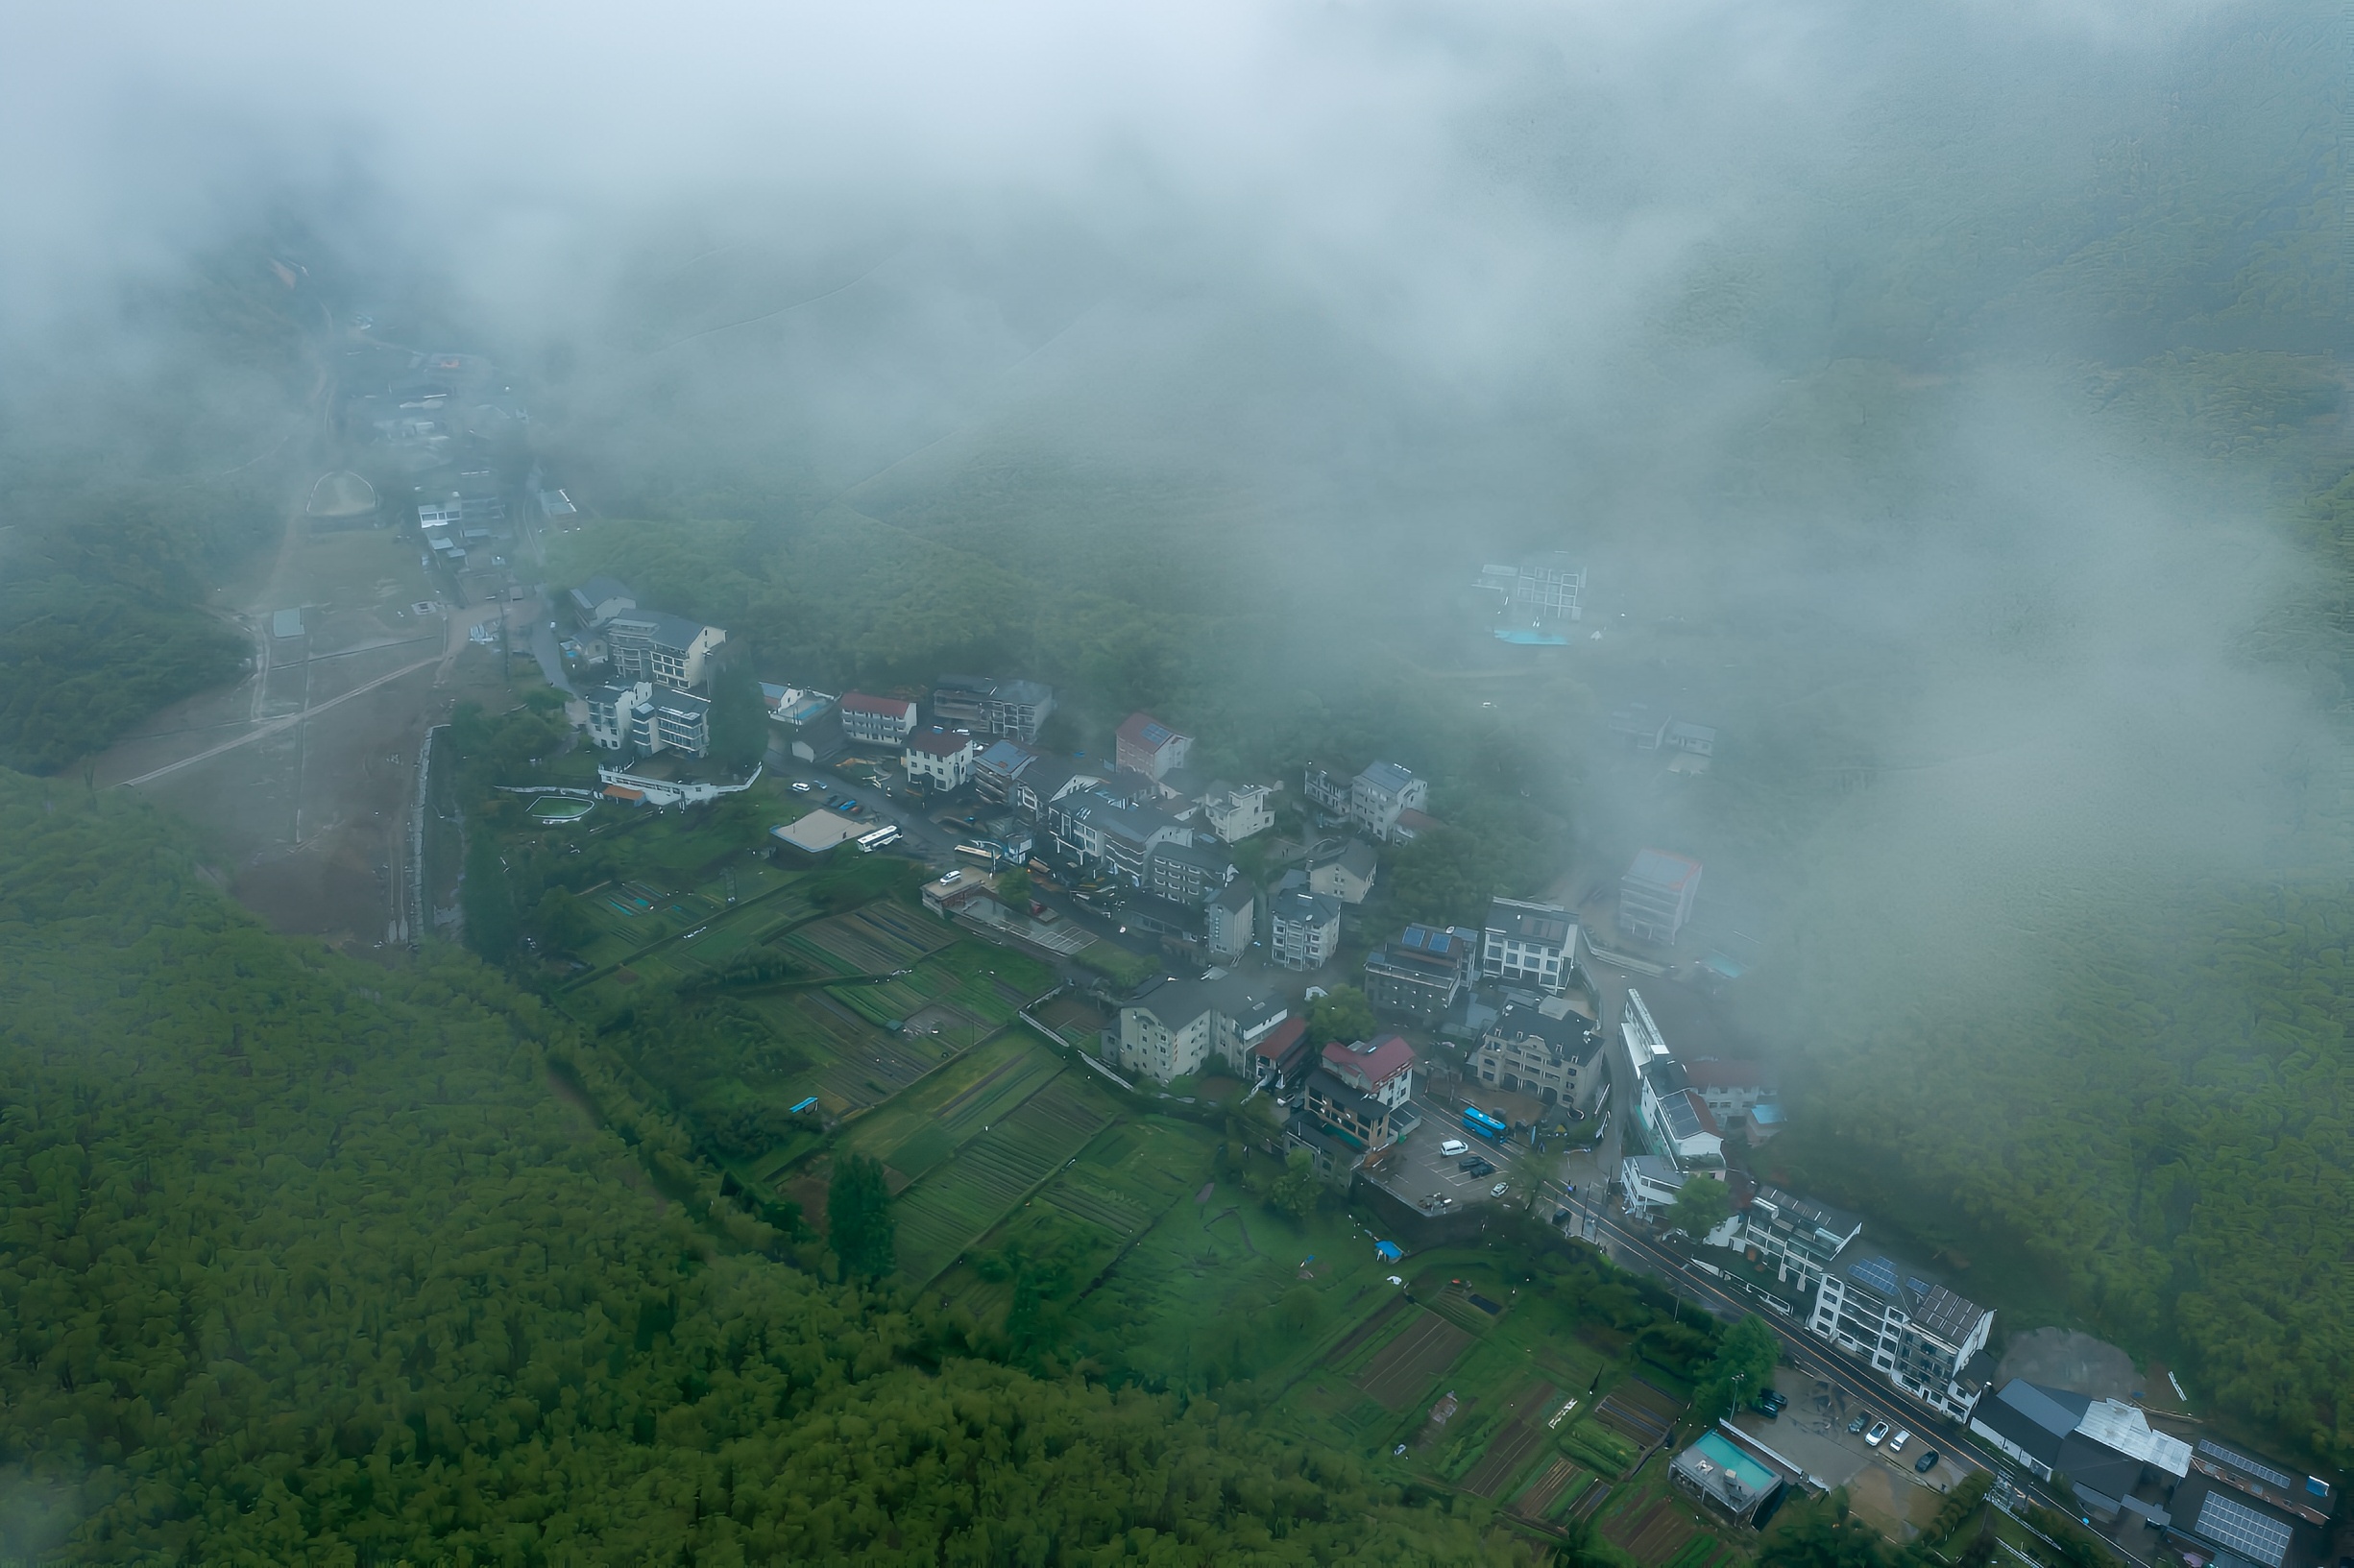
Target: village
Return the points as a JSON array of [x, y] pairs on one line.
[[1563, 1062]]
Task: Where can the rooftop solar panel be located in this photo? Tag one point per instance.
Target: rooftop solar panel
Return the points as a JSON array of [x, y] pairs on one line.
[[1877, 1272], [2241, 1527], [2262, 1472]]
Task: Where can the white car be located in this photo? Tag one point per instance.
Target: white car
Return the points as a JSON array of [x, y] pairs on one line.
[[1498, 1191], [1896, 1444], [801, 787], [1454, 1146], [1879, 1429]]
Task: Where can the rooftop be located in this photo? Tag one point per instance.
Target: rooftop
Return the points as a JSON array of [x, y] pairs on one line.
[[1387, 777], [1356, 857], [938, 742], [665, 629], [859, 702], [1376, 1060], [1656, 868], [1281, 1041], [1715, 1073], [1517, 920], [1146, 731]]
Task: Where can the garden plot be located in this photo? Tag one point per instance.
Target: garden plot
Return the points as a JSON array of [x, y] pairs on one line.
[[1641, 1412], [1655, 1532], [963, 1199], [1514, 1446], [1356, 1339], [1425, 1347], [1558, 1483]]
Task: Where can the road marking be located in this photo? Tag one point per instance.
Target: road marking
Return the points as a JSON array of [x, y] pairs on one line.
[[276, 725]]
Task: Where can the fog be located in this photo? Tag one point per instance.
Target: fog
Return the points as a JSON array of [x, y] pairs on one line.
[[1851, 346]]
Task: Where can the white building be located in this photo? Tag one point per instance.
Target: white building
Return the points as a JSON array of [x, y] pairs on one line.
[[1304, 928], [876, 721], [941, 759], [1174, 1029], [1144, 744], [1529, 944], [1381, 1068], [1237, 811], [653, 645], [1679, 1124], [1918, 1334], [1641, 1036], [1379, 793], [1798, 1237], [648, 718]]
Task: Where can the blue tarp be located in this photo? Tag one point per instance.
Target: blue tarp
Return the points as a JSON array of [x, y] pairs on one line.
[[1388, 1251]]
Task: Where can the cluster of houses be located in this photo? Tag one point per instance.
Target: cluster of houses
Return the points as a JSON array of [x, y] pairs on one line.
[[655, 700]]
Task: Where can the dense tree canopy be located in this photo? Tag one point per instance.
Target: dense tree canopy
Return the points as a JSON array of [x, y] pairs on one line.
[[313, 1261]]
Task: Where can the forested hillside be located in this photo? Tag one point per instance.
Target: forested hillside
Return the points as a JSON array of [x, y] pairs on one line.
[[311, 1261]]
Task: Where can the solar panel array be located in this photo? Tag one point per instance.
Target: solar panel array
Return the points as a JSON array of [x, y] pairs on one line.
[[2262, 1472], [2241, 1527], [1877, 1272]]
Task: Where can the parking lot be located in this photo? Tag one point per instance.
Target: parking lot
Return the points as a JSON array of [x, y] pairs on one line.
[[1811, 1431], [1416, 1174]]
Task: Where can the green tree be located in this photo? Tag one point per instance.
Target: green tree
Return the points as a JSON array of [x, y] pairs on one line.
[[858, 1221], [739, 722], [1700, 1207], [1822, 1533], [1013, 889], [1960, 1504], [486, 897], [1741, 1369], [1299, 1189], [1340, 1014]]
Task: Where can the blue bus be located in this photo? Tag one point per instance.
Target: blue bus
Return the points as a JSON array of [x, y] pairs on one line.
[[1475, 1120]]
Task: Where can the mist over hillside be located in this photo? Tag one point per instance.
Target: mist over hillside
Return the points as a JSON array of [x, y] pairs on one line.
[[1946, 400]]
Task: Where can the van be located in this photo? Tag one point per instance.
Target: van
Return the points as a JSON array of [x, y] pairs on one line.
[[1453, 1147]]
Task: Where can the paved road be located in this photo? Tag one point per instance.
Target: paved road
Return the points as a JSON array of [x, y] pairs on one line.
[[1632, 1250]]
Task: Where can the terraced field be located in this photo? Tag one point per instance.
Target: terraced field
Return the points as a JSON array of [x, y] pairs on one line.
[[964, 1198]]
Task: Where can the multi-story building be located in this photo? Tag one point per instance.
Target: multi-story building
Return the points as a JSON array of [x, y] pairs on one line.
[[999, 768], [1102, 828], [646, 718], [1144, 744], [1678, 1124], [1174, 1026], [1188, 870], [1656, 896], [1231, 919], [1547, 586], [2233, 1504], [1529, 944], [1378, 794], [1345, 874], [940, 759], [654, 645], [1418, 976], [1918, 1334], [1036, 789], [1336, 1107], [1326, 790], [1732, 1090], [1798, 1237], [1304, 928], [1546, 1051], [876, 721], [1641, 1036], [1237, 811], [1382, 1066], [598, 600], [988, 705]]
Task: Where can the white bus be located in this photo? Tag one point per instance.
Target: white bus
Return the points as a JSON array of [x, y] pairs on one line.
[[888, 833]]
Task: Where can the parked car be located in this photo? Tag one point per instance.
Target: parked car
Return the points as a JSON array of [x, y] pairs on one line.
[[801, 787], [1879, 1429], [1482, 1167], [1767, 1408], [1927, 1462], [1498, 1189], [1896, 1444], [1453, 1147], [1860, 1423]]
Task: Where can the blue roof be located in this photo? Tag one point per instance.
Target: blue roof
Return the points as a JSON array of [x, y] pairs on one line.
[[1390, 1251]]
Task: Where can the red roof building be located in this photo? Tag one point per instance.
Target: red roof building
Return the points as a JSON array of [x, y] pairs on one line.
[[877, 722], [1279, 1057], [1382, 1068], [1146, 745]]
